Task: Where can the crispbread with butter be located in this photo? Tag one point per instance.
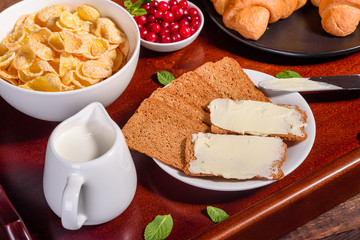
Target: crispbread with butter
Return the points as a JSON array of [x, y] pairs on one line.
[[234, 156], [258, 118], [160, 126], [159, 131]]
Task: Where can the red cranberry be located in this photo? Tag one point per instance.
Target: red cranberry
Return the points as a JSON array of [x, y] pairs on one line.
[[159, 14], [152, 10], [178, 12], [164, 31], [146, 7], [193, 12], [143, 32], [173, 2], [151, 18], [183, 4], [196, 17], [141, 19], [151, 37], [184, 32], [154, 27], [195, 24], [184, 23], [175, 37], [165, 39], [163, 6], [174, 27], [154, 3], [186, 17], [168, 16], [165, 24]]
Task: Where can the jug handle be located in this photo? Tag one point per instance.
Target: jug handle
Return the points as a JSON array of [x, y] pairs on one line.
[[70, 217]]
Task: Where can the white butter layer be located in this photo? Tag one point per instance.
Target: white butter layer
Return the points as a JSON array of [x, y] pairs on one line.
[[236, 156], [254, 117], [295, 84]]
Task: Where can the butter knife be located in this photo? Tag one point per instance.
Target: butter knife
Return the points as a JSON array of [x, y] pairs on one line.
[[325, 83]]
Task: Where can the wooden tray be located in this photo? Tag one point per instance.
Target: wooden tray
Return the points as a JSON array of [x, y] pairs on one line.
[[324, 180]]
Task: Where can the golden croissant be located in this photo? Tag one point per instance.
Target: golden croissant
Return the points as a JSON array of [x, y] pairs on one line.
[[251, 17], [339, 17]]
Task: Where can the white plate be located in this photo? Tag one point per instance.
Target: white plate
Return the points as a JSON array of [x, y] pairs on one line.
[[296, 153]]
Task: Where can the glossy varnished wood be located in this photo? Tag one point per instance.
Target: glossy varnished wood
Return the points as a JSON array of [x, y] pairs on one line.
[[324, 180], [294, 204]]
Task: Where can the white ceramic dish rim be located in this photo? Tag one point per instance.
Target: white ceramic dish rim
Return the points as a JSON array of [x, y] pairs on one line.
[[77, 91], [296, 154], [192, 5]]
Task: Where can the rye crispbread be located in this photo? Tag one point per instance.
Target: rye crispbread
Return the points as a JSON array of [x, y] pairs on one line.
[[187, 108], [285, 137], [230, 80], [159, 131], [191, 87], [275, 163], [161, 124]]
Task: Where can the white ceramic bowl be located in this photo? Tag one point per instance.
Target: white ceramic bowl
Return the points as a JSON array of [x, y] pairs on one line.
[[171, 47], [57, 106]]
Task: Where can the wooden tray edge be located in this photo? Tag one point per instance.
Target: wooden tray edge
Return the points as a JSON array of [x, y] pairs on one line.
[[294, 205]]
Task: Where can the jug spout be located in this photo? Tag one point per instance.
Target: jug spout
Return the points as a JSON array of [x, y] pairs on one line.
[[94, 112]]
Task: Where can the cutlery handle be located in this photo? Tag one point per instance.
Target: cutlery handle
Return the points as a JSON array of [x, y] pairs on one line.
[[11, 224], [15, 230], [71, 217]]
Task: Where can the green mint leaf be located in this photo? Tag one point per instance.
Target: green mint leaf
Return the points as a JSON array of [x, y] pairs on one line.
[[135, 9], [159, 228], [165, 77], [127, 4], [139, 12], [288, 74], [216, 214], [139, 3]]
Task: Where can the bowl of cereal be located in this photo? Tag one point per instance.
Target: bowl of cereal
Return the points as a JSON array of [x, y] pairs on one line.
[[58, 56], [169, 25]]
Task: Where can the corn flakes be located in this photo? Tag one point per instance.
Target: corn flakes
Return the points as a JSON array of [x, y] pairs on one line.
[[56, 49]]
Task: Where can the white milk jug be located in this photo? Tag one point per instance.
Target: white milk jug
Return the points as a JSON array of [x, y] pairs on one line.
[[89, 174]]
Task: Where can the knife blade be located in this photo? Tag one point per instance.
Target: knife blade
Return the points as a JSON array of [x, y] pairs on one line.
[[323, 83]]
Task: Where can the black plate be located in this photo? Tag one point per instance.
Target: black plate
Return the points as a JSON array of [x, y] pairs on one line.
[[300, 35]]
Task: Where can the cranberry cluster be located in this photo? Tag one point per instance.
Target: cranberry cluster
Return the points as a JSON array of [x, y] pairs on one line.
[[167, 22]]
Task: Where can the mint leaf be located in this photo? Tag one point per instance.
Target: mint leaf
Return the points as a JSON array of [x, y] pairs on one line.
[[127, 4], [139, 12], [216, 214], [139, 3], [135, 9], [165, 77], [288, 74], [159, 228]]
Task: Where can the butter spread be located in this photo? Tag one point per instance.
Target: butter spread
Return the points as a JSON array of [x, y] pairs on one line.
[[295, 84], [254, 117], [236, 156]]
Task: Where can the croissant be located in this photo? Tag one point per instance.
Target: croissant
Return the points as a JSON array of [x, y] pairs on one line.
[[339, 17], [315, 2], [251, 17]]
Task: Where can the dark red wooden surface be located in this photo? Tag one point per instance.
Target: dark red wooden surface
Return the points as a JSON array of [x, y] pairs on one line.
[[23, 143]]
